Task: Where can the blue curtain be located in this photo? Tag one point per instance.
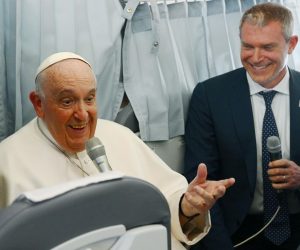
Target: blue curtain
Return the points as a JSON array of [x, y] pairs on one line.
[[6, 119]]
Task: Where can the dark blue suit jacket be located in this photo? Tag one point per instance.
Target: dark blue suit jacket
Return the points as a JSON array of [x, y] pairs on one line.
[[220, 132]]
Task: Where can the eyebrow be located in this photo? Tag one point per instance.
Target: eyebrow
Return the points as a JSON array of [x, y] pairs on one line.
[[262, 45]]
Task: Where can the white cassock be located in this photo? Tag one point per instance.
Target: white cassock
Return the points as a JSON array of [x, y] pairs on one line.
[[28, 160]]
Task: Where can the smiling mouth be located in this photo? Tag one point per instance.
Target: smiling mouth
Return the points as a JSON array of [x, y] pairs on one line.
[[259, 67], [78, 126]]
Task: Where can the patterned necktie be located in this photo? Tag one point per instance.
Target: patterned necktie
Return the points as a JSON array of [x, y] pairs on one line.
[[279, 230]]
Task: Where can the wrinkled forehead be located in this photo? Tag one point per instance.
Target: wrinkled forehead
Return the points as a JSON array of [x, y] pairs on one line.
[[56, 58]]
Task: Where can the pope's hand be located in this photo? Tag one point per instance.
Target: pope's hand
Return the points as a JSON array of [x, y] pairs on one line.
[[202, 194]]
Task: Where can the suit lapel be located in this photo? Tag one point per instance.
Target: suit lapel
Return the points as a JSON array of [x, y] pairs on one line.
[[295, 117], [240, 103]]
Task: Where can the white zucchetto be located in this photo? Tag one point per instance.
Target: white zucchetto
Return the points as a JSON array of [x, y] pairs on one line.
[[58, 57]]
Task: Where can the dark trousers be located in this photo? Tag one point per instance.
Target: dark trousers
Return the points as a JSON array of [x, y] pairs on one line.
[[254, 223]]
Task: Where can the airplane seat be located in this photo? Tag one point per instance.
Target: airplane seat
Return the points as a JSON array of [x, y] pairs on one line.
[[109, 211]]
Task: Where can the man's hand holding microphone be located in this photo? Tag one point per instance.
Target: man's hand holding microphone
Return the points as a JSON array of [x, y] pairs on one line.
[[283, 173]]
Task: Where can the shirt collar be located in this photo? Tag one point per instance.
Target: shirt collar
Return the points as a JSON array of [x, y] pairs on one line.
[[282, 87], [45, 130]]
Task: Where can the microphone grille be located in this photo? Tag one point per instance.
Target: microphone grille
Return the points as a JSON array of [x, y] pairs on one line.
[[94, 148], [273, 144]]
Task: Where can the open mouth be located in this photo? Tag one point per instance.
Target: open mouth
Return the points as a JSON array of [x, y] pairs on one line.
[[259, 67], [78, 126]]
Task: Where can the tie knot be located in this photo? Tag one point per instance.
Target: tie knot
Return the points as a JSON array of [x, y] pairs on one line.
[[268, 96]]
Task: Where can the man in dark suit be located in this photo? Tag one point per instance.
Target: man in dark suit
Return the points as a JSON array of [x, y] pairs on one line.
[[225, 130]]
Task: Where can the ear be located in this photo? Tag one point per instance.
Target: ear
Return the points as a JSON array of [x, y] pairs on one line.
[[37, 103], [292, 43]]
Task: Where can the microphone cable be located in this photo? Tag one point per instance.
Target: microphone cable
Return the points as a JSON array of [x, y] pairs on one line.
[[260, 231], [274, 148]]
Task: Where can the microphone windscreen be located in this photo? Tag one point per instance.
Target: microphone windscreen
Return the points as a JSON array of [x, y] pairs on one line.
[[273, 144], [94, 148]]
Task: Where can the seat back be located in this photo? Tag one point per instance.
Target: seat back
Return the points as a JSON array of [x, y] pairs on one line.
[[46, 224]]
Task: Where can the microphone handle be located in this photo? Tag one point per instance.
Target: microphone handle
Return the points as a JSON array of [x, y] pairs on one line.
[[102, 163], [275, 156]]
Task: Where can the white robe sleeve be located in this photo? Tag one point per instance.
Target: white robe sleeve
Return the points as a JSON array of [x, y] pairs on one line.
[[130, 155]]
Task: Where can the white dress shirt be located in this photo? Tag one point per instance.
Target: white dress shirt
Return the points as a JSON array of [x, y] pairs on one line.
[[281, 110]]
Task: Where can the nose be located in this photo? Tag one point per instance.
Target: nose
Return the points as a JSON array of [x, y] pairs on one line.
[[81, 111], [257, 55]]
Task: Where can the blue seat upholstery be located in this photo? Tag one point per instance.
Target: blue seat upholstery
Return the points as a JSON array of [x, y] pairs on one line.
[[126, 201]]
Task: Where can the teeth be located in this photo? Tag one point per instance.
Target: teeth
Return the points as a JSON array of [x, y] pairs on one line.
[[259, 67], [79, 126]]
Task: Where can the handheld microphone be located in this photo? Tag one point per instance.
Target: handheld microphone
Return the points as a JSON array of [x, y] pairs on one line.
[[95, 150], [274, 148]]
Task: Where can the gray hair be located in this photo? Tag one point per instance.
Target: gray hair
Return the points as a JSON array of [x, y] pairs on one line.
[[39, 82], [262, 14]]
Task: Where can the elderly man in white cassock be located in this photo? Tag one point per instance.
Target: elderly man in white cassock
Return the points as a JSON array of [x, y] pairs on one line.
[[50, 149]]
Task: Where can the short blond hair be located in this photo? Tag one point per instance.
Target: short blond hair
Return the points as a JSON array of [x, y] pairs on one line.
[[262, 14]]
